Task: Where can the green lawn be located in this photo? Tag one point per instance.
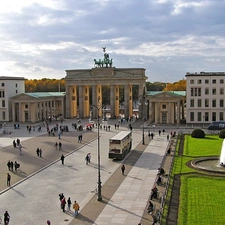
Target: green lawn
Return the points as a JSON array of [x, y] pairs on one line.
[[201, 196]]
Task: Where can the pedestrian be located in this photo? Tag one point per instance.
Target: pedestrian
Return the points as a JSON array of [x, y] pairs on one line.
[[159, 132], [69, 204], [14, 143], [63, 204], [123, 169], [154, 218], [78, 138], [76, 208], [8, 179], [62, 159], [15, 166], [61, 196], [48, 222], [6, 218], [168, 137], [87, 159], [40, 152], [60, 145], [56, 145], [9, 165]]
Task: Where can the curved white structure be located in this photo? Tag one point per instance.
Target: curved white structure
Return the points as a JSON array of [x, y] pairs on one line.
[[222, 154]]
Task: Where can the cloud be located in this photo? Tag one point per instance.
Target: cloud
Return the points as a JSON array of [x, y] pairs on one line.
[[167, 37]]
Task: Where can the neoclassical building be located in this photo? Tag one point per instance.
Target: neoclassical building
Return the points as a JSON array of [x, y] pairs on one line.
[[37, 106], [166, 107], [80, 82]]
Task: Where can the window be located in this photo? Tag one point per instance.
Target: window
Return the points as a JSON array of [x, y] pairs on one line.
[[3, 84], [214, 91], [192, 103], [199, 103], [192, 116], [3, 115], [214, 116], [192, 81], [206, 102], [163, 106], [206, 81], [214, 103], [199, 91], [16, 91], [206, 116], [214, 81], [3, 103], [26, 106], [206, 91], [192, 91], [221, 91], [199, 81], [199, 116], [221, 115], [221, 103], [196, 91], [16, 85], [221, 81]]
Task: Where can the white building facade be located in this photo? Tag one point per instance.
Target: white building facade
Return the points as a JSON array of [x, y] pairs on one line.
[[9, 86], [205, 97]]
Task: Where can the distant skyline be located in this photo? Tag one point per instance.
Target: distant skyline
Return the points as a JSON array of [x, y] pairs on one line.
[[43, 38]]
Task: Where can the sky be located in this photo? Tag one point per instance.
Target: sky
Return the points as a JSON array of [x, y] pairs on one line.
[[43, 38]]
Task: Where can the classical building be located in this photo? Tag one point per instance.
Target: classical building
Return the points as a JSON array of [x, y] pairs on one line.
[[79, 83], [37, 106], [9, 86], [166, 107], [205, 97]]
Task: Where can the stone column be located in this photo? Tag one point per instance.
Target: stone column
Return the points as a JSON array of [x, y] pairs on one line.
[[140, 100], [94, 102], [68, 102], [126, 101], [29, 111], [117, 100], [178, 112], [86, 101], [169, 113], [81, 102], [112, 100], [130, 101], [20, 112]]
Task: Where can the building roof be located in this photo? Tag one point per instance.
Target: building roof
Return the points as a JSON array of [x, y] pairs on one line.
[[11, 78], [175, 93], [46, 94]]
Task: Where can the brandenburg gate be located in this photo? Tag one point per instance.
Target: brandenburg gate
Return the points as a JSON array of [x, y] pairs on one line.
[[79, 82]]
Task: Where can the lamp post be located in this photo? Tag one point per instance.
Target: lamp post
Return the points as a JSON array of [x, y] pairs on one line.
[[99, 197], [143, 130]]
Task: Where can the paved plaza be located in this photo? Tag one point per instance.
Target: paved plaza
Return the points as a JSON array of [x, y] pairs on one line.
[[33, 197]]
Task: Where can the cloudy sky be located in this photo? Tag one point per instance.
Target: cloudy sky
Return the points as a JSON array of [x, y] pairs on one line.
[[43, 38]]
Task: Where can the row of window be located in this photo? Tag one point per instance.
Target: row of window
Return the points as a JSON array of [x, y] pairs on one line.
[[206, 117], [221, 81], [214, 103], [197, 91]]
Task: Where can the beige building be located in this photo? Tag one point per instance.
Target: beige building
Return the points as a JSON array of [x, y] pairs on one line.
[[205, 97], [37, 106], [167, 107]]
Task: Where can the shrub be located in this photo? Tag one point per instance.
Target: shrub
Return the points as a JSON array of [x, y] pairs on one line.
[[198, 133], [222, 134]]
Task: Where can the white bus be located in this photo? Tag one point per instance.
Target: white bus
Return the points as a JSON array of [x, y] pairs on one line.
[[120, 145]]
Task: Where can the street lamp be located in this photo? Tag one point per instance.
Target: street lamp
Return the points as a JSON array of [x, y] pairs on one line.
[[99, 198], [143, 130]]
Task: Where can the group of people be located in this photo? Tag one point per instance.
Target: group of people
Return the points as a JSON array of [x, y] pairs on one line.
[[63, 203], [56, 145], [16, 142], [39, 152], [10, 165]]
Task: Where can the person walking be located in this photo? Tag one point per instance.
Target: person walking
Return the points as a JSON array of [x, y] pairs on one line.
[[56, 145], [87, 159], [9, 165], [63, 204], [62, 159], [69, 204], [8, 179], [76, 208], [154, 218], [60, 145], [6, 218], [123, 169]]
